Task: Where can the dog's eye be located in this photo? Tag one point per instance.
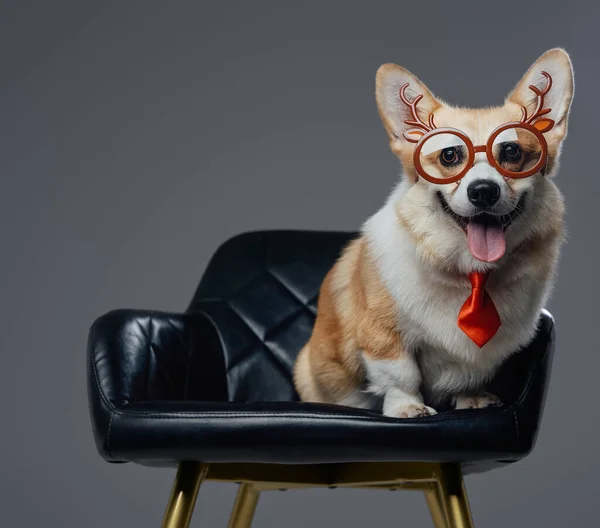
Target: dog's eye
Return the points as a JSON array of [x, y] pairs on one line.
[[511, 152], [449, 156]]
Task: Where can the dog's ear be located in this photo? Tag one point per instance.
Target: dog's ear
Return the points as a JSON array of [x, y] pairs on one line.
[[394, 111], [557, 63]]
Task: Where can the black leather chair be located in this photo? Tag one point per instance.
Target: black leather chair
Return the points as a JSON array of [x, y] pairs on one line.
[[210, 390]]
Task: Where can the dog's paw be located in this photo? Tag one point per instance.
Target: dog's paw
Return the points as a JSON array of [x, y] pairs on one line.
[[481, 401], [412, 410]]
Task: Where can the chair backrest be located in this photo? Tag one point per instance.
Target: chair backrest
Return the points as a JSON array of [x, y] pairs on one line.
[[262, 288]]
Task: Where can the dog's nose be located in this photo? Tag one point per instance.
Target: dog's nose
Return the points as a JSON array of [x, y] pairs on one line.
[[483, 193]]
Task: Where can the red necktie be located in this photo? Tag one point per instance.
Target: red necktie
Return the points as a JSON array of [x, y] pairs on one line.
[[478, 318]]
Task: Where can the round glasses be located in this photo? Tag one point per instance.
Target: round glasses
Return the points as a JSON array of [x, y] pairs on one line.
[[515, 150]]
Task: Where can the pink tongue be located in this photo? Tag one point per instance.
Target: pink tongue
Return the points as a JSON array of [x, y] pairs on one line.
[[486, 242]]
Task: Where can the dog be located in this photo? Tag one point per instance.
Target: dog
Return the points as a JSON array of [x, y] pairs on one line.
[[394, 325]]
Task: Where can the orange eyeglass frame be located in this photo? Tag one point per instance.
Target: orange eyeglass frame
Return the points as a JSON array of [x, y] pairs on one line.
[[536, 124]]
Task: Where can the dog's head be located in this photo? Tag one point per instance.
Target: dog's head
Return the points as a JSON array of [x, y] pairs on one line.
[[480, 218]]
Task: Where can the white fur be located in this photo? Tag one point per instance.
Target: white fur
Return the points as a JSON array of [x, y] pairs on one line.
[[429, 301], [386, 374], [398, 381]]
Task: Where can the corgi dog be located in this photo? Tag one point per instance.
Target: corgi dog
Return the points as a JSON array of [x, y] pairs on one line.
[[393, 331]]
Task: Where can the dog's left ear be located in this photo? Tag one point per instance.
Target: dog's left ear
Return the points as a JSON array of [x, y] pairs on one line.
[[557, 63]]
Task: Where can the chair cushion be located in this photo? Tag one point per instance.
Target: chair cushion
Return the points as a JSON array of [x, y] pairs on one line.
[[215, 383]]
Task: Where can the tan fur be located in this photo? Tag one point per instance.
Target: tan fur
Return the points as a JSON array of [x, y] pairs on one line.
[[359, 319], [355, 313]]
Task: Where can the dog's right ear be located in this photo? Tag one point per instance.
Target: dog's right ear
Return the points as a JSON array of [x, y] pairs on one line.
[[395, 112]]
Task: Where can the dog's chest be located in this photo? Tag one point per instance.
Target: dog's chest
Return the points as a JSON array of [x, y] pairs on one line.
[[427, 320], [449, 361], [428, 315]]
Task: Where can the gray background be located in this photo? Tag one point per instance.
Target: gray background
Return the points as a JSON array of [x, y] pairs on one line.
[[137, 136]]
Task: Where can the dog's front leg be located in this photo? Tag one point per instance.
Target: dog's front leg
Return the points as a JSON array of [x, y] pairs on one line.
[[398, 380]]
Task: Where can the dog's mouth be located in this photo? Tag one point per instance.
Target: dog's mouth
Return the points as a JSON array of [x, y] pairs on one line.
[[485, 231]]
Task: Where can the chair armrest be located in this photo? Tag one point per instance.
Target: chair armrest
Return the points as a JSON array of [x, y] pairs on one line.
[[139, 355], [522, 382]]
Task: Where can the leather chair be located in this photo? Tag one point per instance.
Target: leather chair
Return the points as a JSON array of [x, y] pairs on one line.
[[210, 390]]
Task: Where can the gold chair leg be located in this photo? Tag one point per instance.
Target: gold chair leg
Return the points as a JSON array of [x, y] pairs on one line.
[[454, 496], [436, 507], [244, 507], [183, 496]]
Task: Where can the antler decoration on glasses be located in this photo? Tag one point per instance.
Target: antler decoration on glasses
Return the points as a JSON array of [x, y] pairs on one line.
[[536, 119], [414, 134], [543, 125]]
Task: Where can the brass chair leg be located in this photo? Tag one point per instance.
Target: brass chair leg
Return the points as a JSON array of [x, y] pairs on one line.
[[454, 496], [244, 507], [183, 495], [436, 508]]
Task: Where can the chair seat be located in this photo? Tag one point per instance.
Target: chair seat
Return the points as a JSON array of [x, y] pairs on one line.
[[214, 384]]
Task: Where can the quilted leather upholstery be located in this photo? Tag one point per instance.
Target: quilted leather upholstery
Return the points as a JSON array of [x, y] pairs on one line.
[[215, 383], [263, 288]]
